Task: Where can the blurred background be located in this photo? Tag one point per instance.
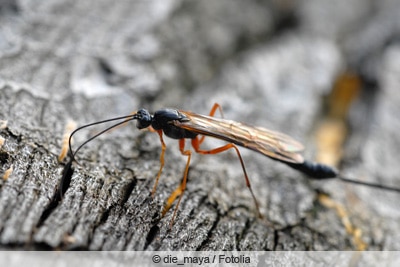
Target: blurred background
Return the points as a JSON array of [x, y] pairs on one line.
[[324, 72]]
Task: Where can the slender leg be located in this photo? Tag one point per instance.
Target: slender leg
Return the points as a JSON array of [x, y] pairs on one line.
[[211, 114], [163, 148], [181, 188], [196, 145], [214, 109]]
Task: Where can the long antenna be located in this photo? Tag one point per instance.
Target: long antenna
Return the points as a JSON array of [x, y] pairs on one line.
[[67, 172], [127, 119]]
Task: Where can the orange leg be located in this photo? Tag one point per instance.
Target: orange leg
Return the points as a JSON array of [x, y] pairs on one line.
[[163, 148], [178, 192], [196, 145], [212, 113], [181, 188]]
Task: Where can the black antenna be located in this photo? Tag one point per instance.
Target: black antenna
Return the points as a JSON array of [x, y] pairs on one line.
[[180, 125], [127, 119], [67, 172]]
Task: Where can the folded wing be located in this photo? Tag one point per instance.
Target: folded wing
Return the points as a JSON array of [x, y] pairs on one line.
[[269, 143]]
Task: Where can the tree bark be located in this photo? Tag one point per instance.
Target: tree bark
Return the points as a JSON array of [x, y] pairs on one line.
[[265, 63]]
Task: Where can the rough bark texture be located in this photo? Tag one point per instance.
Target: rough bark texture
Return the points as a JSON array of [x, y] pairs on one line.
[[268, 63]]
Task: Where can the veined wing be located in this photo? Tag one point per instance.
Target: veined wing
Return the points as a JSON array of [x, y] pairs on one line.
[[269, 143]]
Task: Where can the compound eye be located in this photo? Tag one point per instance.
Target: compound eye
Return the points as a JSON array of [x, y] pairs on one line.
[[143, 119]]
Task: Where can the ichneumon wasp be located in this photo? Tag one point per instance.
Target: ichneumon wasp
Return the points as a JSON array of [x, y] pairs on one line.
[[181, 125]]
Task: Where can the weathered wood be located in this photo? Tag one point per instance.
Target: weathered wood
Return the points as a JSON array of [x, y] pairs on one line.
[[88, 61]]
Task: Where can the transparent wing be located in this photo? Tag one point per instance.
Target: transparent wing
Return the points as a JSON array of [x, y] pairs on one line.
[[269, 143]]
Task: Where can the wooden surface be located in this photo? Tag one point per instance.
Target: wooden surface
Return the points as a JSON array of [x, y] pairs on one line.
[[269, 63]]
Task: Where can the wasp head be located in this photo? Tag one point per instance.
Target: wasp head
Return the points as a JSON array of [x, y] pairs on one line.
[[144, 119]]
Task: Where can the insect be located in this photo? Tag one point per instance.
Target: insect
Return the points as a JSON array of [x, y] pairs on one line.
[[181, 125]]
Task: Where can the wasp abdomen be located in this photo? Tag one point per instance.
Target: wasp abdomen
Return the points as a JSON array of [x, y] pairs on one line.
[[315, 170]]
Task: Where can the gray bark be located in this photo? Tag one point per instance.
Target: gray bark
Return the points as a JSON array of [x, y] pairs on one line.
[[266, 63]]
